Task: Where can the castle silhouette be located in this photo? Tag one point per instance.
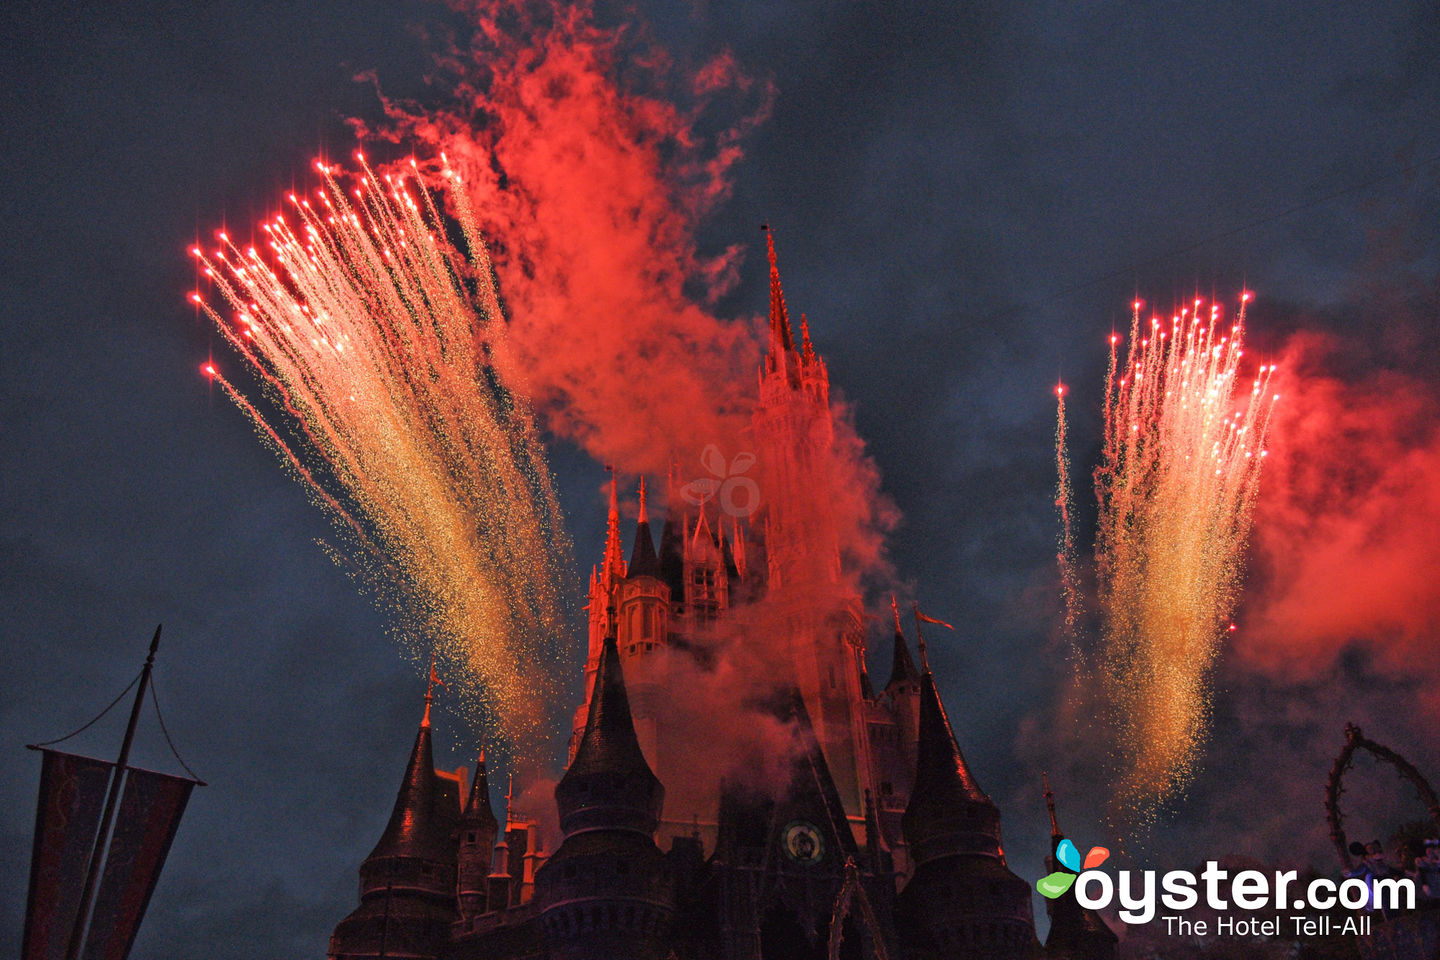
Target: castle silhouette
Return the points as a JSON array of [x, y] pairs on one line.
[[868, 835]]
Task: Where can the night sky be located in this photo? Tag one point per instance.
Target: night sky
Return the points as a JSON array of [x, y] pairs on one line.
[[966, 198]]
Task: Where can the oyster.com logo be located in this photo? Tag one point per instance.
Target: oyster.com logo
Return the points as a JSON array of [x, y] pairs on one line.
[[737, 494], [1055, 884]]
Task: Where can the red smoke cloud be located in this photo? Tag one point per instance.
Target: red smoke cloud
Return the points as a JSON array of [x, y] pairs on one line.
[[589, 179], [1347, 534], [590, 187], [590, 160]]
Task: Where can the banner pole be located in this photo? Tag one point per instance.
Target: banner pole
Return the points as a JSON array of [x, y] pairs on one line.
[[107, 819]]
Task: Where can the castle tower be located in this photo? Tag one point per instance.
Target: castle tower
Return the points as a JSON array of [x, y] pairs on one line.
[[644, 597], [604, 895], [643, 603], [706, 573], [894, 736], [478, 828], [408, 883], [602, 603], [823, 619], [961, 899], [501, 890], [1075, 933], [795, 431]]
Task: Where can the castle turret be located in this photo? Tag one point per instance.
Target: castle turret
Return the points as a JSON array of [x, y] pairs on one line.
[[478, 828], [823, 617], [500, 888], [903, 689], [644, 597], [1075, 933], [604, 895], [962, 898], [644, 631], [602, 604], [408, 884]]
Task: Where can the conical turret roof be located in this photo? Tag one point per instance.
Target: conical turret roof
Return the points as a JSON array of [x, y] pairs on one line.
[[414, 829], [609, 783], [902, 668], [948, 814], [643, 560], [478, 811]]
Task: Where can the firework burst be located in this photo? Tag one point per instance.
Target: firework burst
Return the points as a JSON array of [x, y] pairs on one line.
[[384, 347], [1184, 440]]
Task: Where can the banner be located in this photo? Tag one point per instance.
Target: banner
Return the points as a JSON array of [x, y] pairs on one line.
[[72, 794], [150, 812]]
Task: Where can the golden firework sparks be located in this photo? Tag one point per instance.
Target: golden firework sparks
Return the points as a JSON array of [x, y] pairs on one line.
[[1180, 467], [384, 347]]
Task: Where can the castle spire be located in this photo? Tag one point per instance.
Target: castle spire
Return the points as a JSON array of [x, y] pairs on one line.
[[478, 828], [430, 692], [609, 801], [902, 669], [807, 349], [612, 568], [643, 560], [1055, 833], [948, 814], [478, 808], [1074, 931], [781, 340], [609, 784], [413, 830]]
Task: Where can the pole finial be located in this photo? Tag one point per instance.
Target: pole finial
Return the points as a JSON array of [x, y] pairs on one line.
[[920, 640], [430, 690], [1050, 804]]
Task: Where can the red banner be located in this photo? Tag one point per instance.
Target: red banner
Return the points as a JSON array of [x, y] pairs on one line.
[[150, 812], [72, 794]]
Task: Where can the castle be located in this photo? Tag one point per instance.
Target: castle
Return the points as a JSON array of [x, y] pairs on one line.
[[869, 836]]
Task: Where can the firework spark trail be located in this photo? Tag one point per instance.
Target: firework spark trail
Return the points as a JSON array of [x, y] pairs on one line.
[[1176, 485], [397, 388], [1065, 556]]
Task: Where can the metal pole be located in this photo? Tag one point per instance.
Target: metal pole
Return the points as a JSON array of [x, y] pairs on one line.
[[107, 819]]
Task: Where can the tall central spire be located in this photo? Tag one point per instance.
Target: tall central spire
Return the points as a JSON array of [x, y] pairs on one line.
[[781, 340]]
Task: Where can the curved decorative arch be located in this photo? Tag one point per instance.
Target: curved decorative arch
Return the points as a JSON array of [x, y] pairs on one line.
[[849, 893], [1355, 739]]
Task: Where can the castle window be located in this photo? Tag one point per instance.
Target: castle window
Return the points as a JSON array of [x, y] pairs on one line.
[[886, 788], [470, 837]]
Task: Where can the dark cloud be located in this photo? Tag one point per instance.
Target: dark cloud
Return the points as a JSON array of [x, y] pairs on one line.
[[965, 199]]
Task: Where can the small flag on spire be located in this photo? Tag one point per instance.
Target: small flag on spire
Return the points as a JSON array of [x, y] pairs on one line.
[[430, 691], [938, 623]]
